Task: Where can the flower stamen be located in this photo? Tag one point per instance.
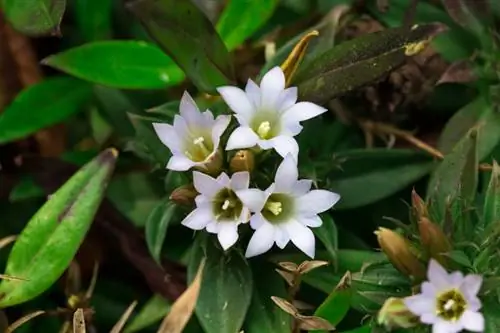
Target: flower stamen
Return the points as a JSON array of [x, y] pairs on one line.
[[200, 142], [226, 204], [274, 207], [264, 129]]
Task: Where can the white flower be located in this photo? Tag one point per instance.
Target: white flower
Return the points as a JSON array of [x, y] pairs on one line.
[[448, 301], [285, 211], [218, 208], [194, 138], [269, 116]]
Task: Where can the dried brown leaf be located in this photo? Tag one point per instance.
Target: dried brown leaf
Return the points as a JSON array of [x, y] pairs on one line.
[[79, 322], [345, 282], [458, 72], [15, 325], [7, 240], [288, 266], [289, 277], [93, 281], [309, 323], [123, 319], [285, 305], [183, 308], [293, 61], [308, 266]]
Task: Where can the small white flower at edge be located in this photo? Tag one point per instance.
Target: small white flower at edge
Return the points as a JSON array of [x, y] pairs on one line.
[[194, 138], [285, 211], [448, 302], [269, 115], [218, 208]]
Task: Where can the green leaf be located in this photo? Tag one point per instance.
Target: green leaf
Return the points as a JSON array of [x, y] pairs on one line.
[[35, 17], [479, 113], [115, 105], [186, 34], [119, 64], [263, 314], [363, 175], [337, 304], [361, 329], [241, 18], [156, 227], [226, 289], [491, 210], [52, 237], [43, 104], [153, 311], [94, 18], [455, 177], [26, 189], [360, 61], [328, 235]]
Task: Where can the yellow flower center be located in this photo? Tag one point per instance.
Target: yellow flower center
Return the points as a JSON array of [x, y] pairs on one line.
[[274, 207], [199, 150], [264, 129], [451, 305]]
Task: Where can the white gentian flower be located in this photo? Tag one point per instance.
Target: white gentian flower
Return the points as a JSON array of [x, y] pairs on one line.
[[269, 115], [285, 211], [448, 302], [194, 138], [218, 208]]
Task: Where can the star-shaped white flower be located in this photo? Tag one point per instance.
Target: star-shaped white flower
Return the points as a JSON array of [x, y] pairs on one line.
[[194, 138], [269, 115], [448, 302], [218, 208], [285, 211]]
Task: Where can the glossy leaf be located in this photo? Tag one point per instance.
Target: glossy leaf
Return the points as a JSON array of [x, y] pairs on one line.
[[360, 61], [119, 64], [35, 17], [479, 113], [337, 304], [186, 34], [263, 315], [47, 244], [156, 227], [455, 177], [362, 176], [227, 286], [94, 18], [43, 104], [328, 235], [241, 18], [152, 312], [491, 210]]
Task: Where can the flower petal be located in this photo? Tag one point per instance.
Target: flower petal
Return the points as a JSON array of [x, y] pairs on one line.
[[428, 290], [303, 111], [286, 175], [444, 326], [198, 219], [285, 145], [220, 125], [253, 198], [429, 318], [242, 137], [237, 100], [167, 135], [205, 184], [437, 275], [281, 237], [301, 236], [471, 284], [245, 215], [182, 129], [472, 321], [271, 85], [179, 163], [224, 180], [189, 111], [310, 221], [301, 187], [287, 98], [420, 304], [257, 220], [240, 180], [227, 235], [262, 240], [291, 129], [317, 201], [213, 227], [253, 92]]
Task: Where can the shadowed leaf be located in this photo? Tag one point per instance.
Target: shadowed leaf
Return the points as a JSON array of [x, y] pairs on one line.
[[35, 17]]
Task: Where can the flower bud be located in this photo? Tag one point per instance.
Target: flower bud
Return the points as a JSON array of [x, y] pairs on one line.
[[394, 314], [242, 161], [418, 206], [398, 251], [213, 166], [184, 195], [433, 240]]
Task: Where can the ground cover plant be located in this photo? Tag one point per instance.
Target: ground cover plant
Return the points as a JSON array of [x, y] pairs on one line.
[[226, 166]]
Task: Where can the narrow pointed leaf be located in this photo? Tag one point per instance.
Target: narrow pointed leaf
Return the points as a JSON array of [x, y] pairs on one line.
[[119, 64], [337, 304], [156, 227], [48, 243], [328, 235], [186, 34], [155, 309], [491, 210], [360, 61], [118, 327]]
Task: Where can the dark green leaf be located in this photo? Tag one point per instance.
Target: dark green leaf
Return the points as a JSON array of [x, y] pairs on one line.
[[25, 189], [35, 17], [119, 64], [115, 106], [263, 314], [360, 61], [153, 311], [185, 33], [226, 289], [337, 304], [328, 235], [94, 18], [156, 227], [361, 329], [363, 175], [52, 237], [46, 103], [479, 113], [455, 177], [241, 18], [491, 210], [470, 14]]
